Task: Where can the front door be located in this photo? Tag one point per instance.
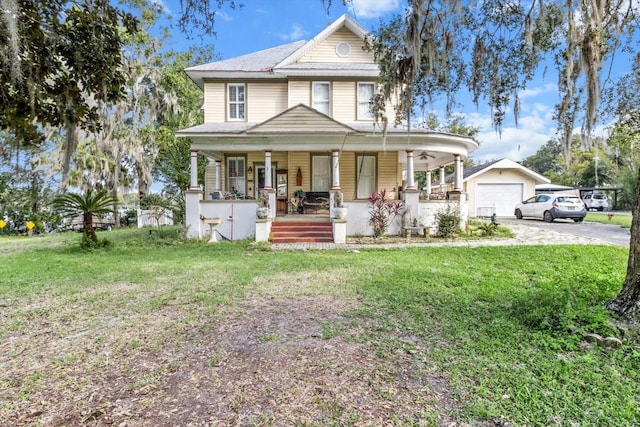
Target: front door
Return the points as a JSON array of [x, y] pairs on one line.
[[260, 177]]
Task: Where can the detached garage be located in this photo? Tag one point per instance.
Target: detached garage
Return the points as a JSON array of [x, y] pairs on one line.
[[497, 186]]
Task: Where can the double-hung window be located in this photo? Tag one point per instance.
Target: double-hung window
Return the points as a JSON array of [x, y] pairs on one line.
[[365, 95], [236, 100], [321, 173], [321, 97], [235, 176], [365, 175]]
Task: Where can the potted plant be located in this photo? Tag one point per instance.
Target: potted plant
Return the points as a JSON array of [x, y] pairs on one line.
[[339, 211], [263, 205], [300, 195]]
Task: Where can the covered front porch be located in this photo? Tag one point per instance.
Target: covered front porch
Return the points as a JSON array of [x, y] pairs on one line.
[[302, 151]]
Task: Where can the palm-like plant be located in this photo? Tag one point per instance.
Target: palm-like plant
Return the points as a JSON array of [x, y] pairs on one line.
[[87, 205]]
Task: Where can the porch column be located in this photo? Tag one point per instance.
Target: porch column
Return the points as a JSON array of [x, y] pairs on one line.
[[457, 186], [428, 189], [443, 184], [218, 175], [268, 185], [410, 175], [193, 184], [335, 165]]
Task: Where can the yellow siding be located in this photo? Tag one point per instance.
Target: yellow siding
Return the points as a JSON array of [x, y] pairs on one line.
[[389, 174], [348, 175], [344, 101], [214, 102], [326, 51], [265, 100], [299, 92], [302, 160], [209, 178]]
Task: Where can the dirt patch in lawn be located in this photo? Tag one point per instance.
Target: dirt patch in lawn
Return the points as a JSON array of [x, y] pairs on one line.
[[270, 360]]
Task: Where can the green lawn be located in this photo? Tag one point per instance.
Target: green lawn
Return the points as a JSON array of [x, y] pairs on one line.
[[494, 334], [610, 218]]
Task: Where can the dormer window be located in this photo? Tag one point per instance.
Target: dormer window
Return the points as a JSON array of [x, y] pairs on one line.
[[236, 99], [365, 95], [321, 99]]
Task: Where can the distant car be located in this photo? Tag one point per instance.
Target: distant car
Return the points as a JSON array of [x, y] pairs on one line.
[[551, 206], [75, 223], [596, 201]]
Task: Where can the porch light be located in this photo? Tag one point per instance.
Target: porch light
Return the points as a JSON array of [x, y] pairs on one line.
[[250, 170]]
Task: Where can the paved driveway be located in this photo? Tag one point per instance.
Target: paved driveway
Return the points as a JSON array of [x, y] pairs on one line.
[[609, 233]]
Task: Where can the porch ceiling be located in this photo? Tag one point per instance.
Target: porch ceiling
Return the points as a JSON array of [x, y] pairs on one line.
[[430, 151]]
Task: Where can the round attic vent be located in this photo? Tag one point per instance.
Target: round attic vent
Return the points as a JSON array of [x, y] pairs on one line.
[[343, 49]]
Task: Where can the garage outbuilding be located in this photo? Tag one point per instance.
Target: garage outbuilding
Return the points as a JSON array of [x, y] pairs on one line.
[[495, 187]]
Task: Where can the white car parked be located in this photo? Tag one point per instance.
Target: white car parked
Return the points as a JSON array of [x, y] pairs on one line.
[[596, 201], [552, 206]]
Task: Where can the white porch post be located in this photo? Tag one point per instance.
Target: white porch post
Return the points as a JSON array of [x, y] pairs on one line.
[[218, 175], [335, 165], [268, 185], [192, 203], [442, 179], [458, 174], [193, 184], [410, 175], [428, 181]]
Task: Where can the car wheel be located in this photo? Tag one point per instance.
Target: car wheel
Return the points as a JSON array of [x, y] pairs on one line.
[[518, 214], [548, 217], [600, 209], [108, 228], [578, 219]]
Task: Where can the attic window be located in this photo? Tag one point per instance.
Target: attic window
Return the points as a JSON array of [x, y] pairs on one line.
[[343, 49]]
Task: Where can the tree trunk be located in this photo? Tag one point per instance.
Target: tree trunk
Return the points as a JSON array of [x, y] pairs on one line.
[[88, 226], [627, 303]]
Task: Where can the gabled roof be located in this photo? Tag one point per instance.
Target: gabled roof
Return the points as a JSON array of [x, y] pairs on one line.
[[256, 64], [343, 21], [281, 61], [303, 119], [474, 171]]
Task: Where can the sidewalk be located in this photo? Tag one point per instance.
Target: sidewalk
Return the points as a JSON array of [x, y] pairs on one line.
[[524, 235]]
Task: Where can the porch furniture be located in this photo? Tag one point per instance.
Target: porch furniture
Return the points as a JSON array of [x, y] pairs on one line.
[[418, 229], [316, 200]]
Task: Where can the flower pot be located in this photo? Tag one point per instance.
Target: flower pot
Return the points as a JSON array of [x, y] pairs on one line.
[[262, 212], [340, 213]]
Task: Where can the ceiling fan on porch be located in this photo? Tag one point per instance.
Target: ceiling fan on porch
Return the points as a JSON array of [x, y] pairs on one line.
[[425, 156]]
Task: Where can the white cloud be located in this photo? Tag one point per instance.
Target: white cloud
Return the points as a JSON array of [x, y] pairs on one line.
[[536, 91], [364, 9], [296, 33], [223, 16], [515, 143]]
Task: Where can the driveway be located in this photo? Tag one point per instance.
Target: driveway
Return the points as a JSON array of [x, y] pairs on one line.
[[609, 233]]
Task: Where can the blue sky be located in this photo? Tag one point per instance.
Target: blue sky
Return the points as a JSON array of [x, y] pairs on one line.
[[263, 24]]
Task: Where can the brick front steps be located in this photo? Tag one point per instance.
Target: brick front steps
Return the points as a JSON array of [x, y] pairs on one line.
[[301, 231]]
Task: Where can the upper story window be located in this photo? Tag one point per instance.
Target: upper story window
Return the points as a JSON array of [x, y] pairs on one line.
[[366, 91], [320, 98], [235, 96]]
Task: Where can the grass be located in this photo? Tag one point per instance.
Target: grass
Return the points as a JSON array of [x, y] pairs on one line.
[[505, 324], [610, 218]]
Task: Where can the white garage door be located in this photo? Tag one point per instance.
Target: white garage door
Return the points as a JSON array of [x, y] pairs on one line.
[[497, 198]]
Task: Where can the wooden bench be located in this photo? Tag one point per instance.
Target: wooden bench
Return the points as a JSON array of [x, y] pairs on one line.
[[418, 229], [316, 200]]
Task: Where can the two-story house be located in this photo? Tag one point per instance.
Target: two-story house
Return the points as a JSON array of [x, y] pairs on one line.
[[298, 117]]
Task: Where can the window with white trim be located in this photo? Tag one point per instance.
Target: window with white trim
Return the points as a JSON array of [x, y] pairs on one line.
[[321, 97], [235, 97], [235, 176], [365, 176], [321, 173], [366, 91]]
